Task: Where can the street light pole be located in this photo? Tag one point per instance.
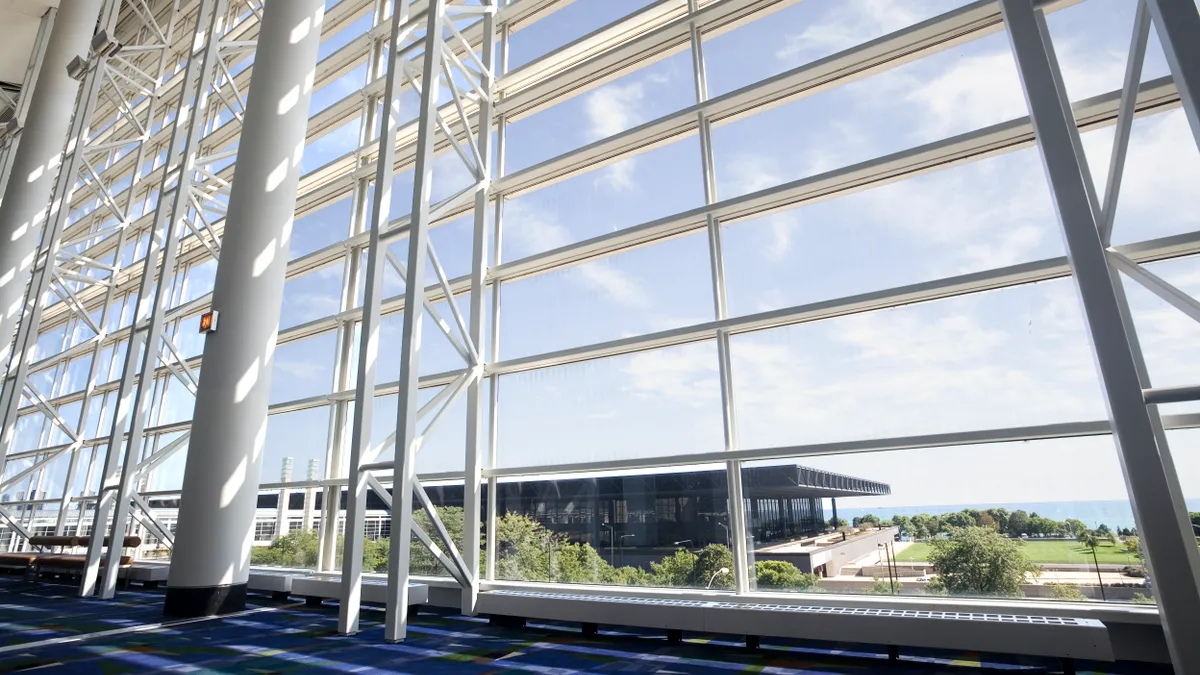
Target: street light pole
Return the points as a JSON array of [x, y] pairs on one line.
[[723, 570], [1098, 577], [623, 545]]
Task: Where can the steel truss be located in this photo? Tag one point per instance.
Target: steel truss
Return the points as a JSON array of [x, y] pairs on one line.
[[1137, 427], [438, 33], [188, 197]]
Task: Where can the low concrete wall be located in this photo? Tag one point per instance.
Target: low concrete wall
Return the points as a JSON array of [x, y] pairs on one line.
[[881, 571], [836, 556], [1039, 591]]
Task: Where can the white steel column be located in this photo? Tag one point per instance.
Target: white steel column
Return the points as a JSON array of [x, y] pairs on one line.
[[1173, 558], [211, 561], [493, 420], [740, 545], [472, 492], [352, 276], [438, 59], [1178, 25], [368, 350], [404, 462], [38, 156]]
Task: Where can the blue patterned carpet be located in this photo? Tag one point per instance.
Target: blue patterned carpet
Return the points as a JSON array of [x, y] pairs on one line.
[[46, 630]]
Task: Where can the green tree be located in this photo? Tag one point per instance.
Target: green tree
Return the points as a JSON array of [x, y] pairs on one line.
[[925, 526], [709, 562], [778, 574], [375, 557], [1018, 523], [835, 523], [525, 549], [959, 519], [296, 549], [1074, 527], [1088, 538], [581, 564], [1046, 527], [675, 570], [978, 561], [904, 523], [869, 520], [1133, 545], [1001, 518]]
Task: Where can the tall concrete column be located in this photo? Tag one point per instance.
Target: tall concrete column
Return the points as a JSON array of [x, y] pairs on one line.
[[211, 561], [38, 156]]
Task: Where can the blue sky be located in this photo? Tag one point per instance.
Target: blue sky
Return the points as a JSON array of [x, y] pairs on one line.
[[1012, 357]]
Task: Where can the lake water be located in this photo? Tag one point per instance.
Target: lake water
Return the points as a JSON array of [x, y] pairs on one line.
[[1114, 513]]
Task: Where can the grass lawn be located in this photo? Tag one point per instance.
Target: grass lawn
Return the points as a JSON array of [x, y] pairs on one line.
[[1044, 552]]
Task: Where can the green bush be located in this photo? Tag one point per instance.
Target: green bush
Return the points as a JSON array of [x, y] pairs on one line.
[[880, 587], [772, 574], [297, 549], [1066, 592]]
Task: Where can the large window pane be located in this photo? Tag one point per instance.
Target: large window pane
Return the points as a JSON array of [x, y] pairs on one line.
[[656, 403], [645, 94], [295, 445], [658, 183], [1007, 520], [303, 368], [641, 291], [978, 216], [658, 529], [1007, 358], [805, 32], [955, 91]]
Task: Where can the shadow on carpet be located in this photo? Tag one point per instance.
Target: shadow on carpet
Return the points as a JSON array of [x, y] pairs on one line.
[[294, 639]]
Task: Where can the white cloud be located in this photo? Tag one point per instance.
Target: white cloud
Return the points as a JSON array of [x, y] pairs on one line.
[[686, 374], [618, 177], [616, 285], [989, 213], [1158, 191], [987, 361], [612, 109], [301, 370], [750, 173], [532, 229], [850, 22], [975, 91]]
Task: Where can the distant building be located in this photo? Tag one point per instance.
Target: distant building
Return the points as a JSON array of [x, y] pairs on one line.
[[632, 512]]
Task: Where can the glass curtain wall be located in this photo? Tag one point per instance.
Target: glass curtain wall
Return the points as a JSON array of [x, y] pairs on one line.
[[764, 315]]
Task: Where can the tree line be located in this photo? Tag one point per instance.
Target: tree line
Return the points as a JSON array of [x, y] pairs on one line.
[[1012, 523], [528, 551]]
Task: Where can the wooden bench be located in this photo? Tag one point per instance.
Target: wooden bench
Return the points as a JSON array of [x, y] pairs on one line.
[[53, 557]]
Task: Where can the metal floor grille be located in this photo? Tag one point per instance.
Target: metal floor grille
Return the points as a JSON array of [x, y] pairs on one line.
[[810, 609]]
